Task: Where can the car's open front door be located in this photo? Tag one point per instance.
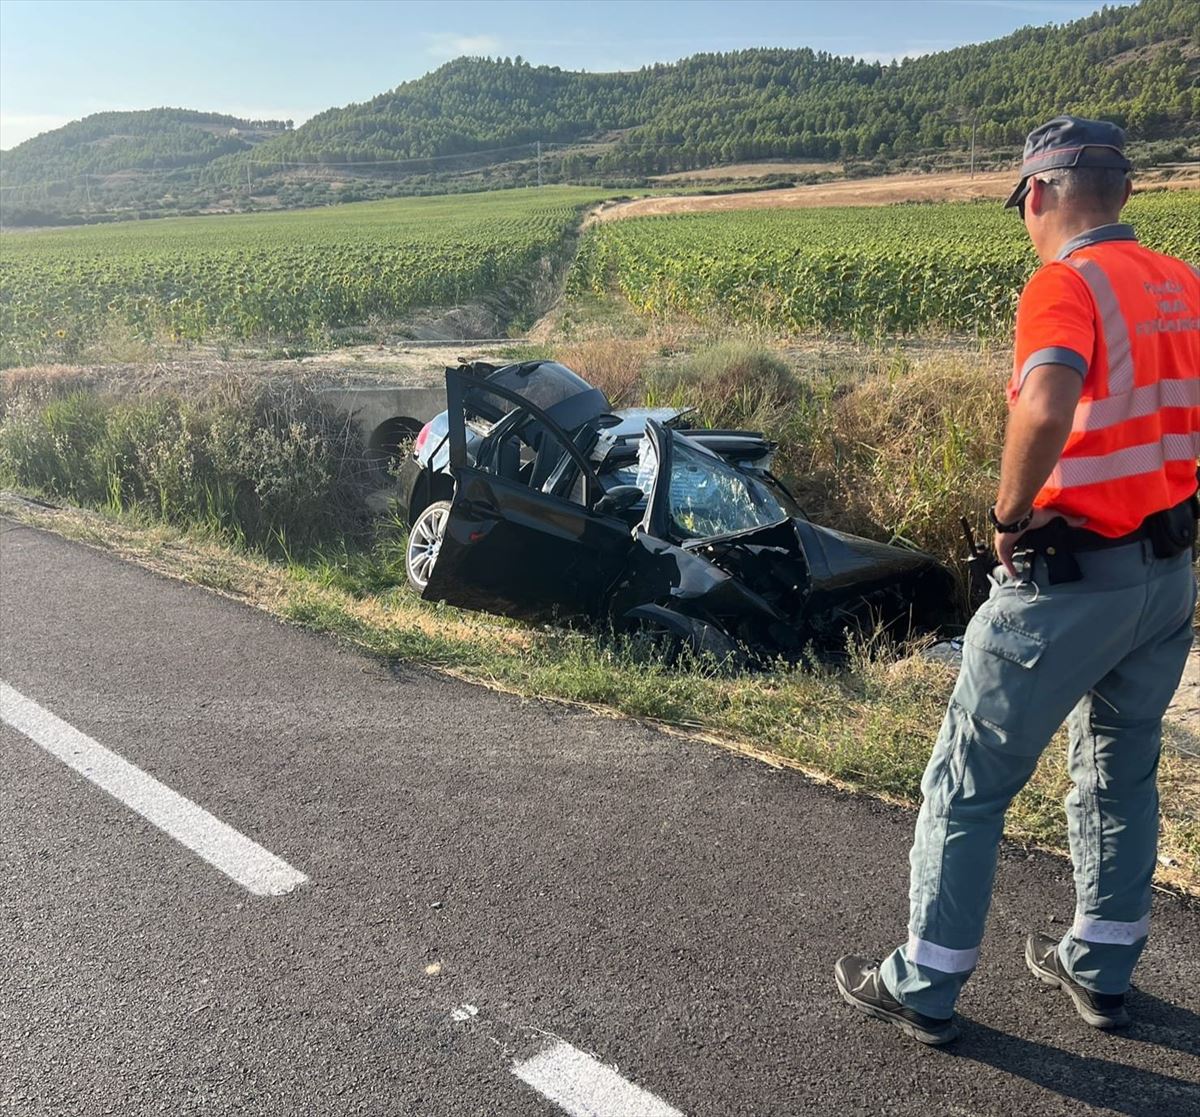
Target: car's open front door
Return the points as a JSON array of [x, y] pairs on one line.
[[510, 546], [654, 475]]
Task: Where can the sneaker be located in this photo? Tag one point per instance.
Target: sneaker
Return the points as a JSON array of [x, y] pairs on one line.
[[861, 986], [1101, 1010]]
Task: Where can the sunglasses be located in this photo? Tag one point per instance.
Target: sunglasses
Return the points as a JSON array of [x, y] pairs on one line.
[[1025, 188]]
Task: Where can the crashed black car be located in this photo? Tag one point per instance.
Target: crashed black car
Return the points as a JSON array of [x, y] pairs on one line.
[[531, 497]]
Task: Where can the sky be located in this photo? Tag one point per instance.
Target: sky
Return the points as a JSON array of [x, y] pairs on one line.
[[288, 59]]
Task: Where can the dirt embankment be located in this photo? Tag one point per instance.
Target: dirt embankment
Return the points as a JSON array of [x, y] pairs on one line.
[[735, 171], [412, 364], [884, 190]]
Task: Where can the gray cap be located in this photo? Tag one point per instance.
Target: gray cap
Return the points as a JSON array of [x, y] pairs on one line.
[[1070, 141]]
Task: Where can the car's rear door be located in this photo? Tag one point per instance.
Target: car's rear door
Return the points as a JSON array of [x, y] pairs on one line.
[[509, 546]]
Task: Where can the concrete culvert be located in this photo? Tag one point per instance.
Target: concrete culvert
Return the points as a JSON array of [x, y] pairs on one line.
[[388, 444]]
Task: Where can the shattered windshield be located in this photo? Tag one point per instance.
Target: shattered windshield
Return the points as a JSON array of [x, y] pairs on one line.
[[706, 497]]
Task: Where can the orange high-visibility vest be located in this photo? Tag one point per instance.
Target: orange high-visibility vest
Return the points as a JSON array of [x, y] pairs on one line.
[[1128, 320]]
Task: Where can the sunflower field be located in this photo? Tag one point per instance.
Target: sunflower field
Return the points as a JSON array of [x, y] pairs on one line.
[[280, 275], [947, 267]]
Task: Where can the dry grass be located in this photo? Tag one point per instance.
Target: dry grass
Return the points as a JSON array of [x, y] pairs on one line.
[[118, 343], [908, 450], [1179, 787], [48, 380]]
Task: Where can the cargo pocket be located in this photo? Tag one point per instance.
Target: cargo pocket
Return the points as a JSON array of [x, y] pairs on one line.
[[996, 683], [947, 764]]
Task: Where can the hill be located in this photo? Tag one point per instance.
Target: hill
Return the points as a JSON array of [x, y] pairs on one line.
[[123, 159], [111, 142], [477, 123]]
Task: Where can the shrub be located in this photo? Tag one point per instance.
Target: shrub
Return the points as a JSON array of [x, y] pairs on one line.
[[614, 365], [908, 451], [49, 445], [731, 384], [264, 465]]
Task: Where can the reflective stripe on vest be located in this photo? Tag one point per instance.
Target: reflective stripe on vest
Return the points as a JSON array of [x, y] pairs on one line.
[[1099, 414], [1120, 403], [1129, 462], [1112, 321]]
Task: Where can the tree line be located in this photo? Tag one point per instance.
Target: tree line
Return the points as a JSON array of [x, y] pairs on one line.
[[1135, 65]]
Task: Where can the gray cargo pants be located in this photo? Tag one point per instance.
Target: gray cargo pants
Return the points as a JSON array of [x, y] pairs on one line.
[[1105, 653]]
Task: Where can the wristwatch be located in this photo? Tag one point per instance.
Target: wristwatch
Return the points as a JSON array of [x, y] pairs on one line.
[[1015, 528]]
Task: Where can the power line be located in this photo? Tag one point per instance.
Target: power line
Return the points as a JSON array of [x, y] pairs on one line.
[[147, 173], [280, 163], [397, 162], [195, 174]]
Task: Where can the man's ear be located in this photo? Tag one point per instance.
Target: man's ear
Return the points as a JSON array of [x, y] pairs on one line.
[[1039, 196]]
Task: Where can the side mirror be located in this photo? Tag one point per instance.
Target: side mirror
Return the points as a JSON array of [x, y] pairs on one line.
[[618, 499]]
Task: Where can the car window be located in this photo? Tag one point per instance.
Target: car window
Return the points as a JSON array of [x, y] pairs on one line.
[[647, 465], [520, 448], [542, 383], [510, 448], [706, 497], [522, 444]]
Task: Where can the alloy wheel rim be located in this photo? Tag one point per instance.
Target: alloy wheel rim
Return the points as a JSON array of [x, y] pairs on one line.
[[424, 545]]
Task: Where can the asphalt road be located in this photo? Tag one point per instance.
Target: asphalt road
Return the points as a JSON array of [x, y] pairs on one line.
[[488, 879]]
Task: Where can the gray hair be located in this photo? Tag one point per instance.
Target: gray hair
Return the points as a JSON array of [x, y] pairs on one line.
[[1092, 188]]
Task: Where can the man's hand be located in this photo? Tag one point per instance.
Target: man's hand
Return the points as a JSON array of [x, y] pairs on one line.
[[1038, 427], [1006, 544]]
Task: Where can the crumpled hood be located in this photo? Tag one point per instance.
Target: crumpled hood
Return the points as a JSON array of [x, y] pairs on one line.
[[836, 560]]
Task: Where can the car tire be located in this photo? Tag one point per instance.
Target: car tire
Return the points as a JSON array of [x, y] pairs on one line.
[[679, 640], [424, 542]]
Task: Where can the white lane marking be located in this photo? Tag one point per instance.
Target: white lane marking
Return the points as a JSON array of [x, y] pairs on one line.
[[585, 1087], [219, 844]]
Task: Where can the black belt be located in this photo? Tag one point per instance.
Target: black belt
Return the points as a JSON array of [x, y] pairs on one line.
[[1070, 538], [1057, 542]]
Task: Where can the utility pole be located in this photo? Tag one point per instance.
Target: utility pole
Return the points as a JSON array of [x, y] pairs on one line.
[[960, 118], [539, 143], [247, 180], [88, 187]]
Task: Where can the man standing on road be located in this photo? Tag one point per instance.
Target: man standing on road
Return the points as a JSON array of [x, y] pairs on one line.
[[1090, 614]]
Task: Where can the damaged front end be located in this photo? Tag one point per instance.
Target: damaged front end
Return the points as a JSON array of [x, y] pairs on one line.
[[776, 585], [761, 594]]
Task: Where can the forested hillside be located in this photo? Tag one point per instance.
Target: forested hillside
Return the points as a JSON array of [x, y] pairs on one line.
[[477, 123], [1137, 65], [108, 142], [122, 164]]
